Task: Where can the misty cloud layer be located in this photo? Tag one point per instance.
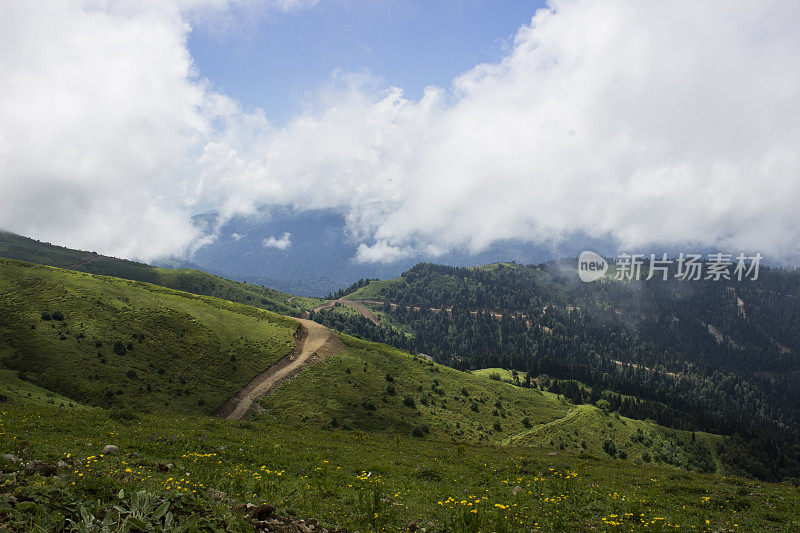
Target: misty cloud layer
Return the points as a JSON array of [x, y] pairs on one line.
[[650, 122]]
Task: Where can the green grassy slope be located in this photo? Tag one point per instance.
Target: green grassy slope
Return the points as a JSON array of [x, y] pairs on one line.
[[117, 343], [587, 428], [195, 281], [372, 386], [361, 481], [16, 390], [375, 290]]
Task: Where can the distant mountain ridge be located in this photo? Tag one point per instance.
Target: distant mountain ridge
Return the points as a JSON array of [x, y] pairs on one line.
[[21, 248]]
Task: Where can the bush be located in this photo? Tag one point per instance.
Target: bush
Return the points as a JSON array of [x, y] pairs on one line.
[[390, 390], [408, 401], [610, 448], [420, 431], [367, 404], [495, 376], [119, 348], [57, 315]]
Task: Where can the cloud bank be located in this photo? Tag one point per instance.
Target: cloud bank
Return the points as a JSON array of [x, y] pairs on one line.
[[651, 122]]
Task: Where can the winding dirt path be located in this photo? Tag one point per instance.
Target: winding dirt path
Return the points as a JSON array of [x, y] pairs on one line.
[[313, 343], [358, 306]]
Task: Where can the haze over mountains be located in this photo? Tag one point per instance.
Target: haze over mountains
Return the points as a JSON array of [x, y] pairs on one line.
[[318, 257]]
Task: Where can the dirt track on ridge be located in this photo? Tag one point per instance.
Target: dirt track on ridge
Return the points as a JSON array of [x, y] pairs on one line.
[[313, 343], [358, 306]]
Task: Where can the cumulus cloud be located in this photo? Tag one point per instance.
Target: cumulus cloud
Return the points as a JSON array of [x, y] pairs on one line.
[[650, 122], [281, 243], [236, 237], [102, 116]]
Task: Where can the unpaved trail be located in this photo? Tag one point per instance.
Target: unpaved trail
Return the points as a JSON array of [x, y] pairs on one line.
[[313, 343], [358, 306]]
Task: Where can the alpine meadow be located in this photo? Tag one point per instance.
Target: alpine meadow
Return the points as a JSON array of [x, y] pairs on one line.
[[340, 266]]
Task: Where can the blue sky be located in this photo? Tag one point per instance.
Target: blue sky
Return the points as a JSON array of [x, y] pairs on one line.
[[274, 60]]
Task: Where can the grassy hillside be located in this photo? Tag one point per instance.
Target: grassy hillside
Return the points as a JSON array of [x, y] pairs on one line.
[[375, 290], [116, 343], [15, 390], [372, 386], [357, 480], [195, 281], [585, 428]]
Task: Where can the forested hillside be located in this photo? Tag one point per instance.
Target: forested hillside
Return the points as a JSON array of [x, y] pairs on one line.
[[721, 357]]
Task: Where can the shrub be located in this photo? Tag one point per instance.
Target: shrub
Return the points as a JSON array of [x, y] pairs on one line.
[[368, 404], [57, 315], [46, 316], [495, 376], [119, 348], [408, 401], [390, 390]]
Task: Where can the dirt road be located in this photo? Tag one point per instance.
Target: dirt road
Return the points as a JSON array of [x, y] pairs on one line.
[[313, 343], [358, 306]]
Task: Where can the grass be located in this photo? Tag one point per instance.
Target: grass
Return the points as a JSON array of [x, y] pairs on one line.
[[374, 290], [115, 343], [504, 374], [15, 390], [371, 386], [189, 280], [359, 480]]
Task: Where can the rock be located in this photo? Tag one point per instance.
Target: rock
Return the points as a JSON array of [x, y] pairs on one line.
[[164, 467], [303, 528], [516, 490], [110, 449], [62, 464], [262, 512], [552, 453], [11, 457], [214, 494], [38, 467]]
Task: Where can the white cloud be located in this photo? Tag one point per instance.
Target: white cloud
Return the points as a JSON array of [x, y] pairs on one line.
[[281, 243], [236, 237], [649, 121], [101, 117]]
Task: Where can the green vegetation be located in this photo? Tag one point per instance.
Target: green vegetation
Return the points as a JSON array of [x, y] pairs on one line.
[[203, 469], [16, 390], [720, 357], [376, 290], [189, 280], [589, 429], [114, 343], [371, 386]]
